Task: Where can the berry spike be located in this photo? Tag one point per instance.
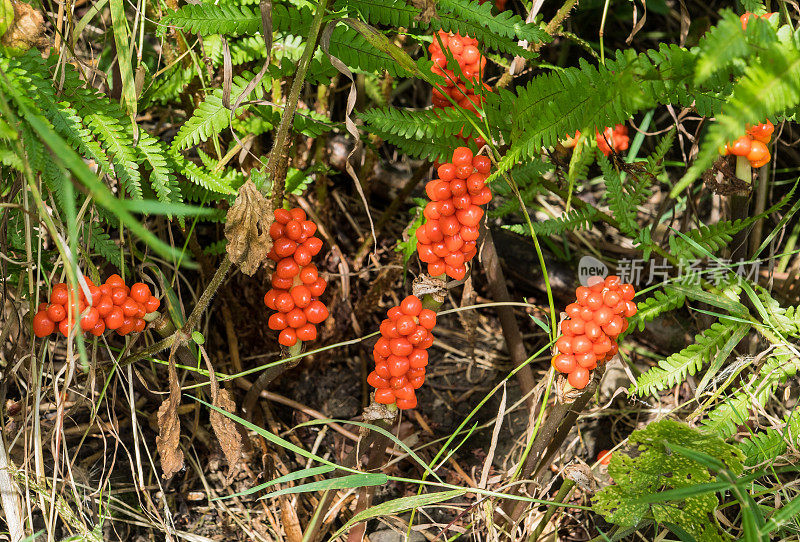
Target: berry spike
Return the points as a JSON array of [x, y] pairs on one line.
[[589, 334], [296, 284], [113, 306], [401, 354], [448, 239]]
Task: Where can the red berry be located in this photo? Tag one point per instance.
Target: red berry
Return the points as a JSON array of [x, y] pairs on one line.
[[405, 324], [297, 214], [316, 312], [104, 306], [293, 230], [382, 347], [284, 247], [401, 347], [603, 316], [318, 287], [42, 324], [152, 304], [377, 381], [115, 281], [307, 332], [64, 328], [287, 337], [604, 457], [276, 231], [140, 292], [115, 318], [398, 366], [119, 295], [284, 302], [579, 378], [564, 345], [129, 307], [308, 274], [90, 319], [313, 245], [581, 345], [56, 313], [296, 318], [138, 325], [587, 360], [301, 296], [418, 358], [302, 256], [287, 268], [427, 319], [411, 305], [98, 329], [462, 156], [384, 396], [405, 404], [277, 321], [593, 301], [282, 216], [564, 363]]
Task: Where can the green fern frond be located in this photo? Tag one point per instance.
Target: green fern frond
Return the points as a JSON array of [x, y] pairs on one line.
[[352, 48], [106, 120], [211, 117], [768, 445], [559, 103], [10, 158], [420, 124], [691, 359], [393, 13], [655, 161], [624, 198], [220, 185], [727, 43], [705, 240], [234, 19], [662, 301], [102, 243], [735, 410], [404, 129], [163, 181], [573, 220]]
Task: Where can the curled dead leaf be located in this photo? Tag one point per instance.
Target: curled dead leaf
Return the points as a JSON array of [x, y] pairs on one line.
[[247, 228], [24, 29], [226, 430], [168, 439], [580, 473], [428, 10], [169, 426]]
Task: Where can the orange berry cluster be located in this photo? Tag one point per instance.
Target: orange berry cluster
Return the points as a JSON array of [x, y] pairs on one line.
[[296, 284], [113, 306], [448, 239], [401, 353], [471, 62], [747, 16], [465, 51], [752, 145], [589, 335], [618, 137]]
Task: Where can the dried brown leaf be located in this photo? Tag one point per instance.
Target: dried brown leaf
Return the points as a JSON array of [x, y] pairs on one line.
[[247, 229], [428, 8], [580, 473], [169, 426], [226, 430], [27, 28]]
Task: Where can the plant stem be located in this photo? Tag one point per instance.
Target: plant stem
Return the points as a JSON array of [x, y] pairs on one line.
[[278, 158], [516, 348], [563, 491]]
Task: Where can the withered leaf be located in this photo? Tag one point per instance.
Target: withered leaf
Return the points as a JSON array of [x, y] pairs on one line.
[[226, 430], [22, 25], [247, 228], [169, 426], [428, 8]]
